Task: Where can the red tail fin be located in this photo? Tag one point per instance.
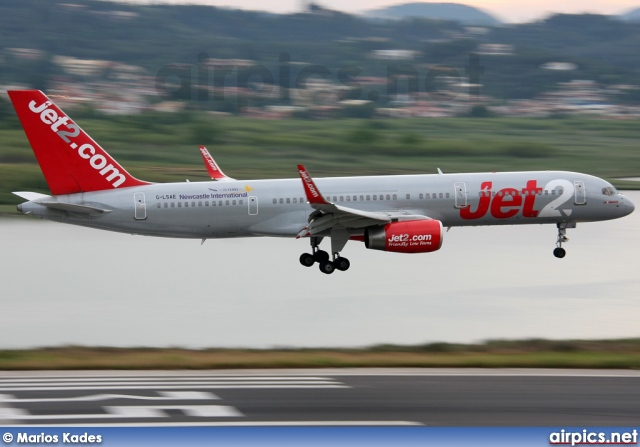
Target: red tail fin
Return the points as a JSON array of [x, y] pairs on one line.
[[70, 160], [212, 167]]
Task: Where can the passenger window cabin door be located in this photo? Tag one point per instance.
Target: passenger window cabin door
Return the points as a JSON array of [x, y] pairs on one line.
[[460, 194], [253, 206], [140, 206], [581, 193]]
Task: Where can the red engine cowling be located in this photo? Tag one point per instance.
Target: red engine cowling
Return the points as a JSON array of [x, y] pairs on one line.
[[412, 236]]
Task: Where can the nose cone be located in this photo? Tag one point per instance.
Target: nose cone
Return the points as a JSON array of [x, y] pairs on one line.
[[627, 207]]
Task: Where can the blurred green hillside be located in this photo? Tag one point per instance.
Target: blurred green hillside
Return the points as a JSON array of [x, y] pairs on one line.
[[164, 147]]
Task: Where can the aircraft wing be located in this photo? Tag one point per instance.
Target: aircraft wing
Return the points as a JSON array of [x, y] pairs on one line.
[[329, 215], [212, 167]]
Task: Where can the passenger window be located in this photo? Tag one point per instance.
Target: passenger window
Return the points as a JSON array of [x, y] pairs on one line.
[[421, 196], [226, 202], [199, 203], [275, 201], [159, 205], [427, 196], [448, 195], [179, 204], [355, 198], [348, 199], [233, 203], [375, 197], [288, 200], [281, 201], [206, 203], [553, 192], [395, 197], [362, 198], [441, 195], [173, 205], [193, 204], [240, 202], [295, 200], [213, 203], [186, 204], [388, 197], [220, 203], [408, 196], [165, 205]]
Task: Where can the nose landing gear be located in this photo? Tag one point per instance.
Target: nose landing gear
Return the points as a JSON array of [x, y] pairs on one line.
[[560, 252]]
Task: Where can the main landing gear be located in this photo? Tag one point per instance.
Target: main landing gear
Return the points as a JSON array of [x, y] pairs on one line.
[[326, 263], [560, 252]]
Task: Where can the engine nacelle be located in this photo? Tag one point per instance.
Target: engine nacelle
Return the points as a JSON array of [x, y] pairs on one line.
[[412, 236]]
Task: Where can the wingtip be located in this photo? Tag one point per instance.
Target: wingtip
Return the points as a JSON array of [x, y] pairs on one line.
[[310, 189]]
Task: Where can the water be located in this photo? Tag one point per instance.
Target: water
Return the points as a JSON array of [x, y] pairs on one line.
[[62, 285]]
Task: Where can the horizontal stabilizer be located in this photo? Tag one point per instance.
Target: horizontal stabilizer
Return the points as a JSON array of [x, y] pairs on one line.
[[73, 208], [27, 195]]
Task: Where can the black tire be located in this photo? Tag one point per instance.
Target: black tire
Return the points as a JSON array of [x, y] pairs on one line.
[[307, 260], [559, 252], [342, 264], [327, 267], [320, 256]]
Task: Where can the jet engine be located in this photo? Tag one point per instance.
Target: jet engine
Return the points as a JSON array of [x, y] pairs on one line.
[[413, 236]]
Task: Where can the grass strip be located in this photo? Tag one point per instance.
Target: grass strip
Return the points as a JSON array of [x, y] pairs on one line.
[[601, 354]]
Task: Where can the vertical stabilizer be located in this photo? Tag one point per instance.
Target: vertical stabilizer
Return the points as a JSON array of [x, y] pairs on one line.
[[70, 159]]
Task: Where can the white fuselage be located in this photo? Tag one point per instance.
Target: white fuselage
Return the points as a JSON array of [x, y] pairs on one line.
[[279, 208]]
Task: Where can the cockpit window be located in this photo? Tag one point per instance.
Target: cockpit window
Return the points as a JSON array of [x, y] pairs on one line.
[[609, 191]]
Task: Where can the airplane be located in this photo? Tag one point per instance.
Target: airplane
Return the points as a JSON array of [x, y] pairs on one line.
[[395, 213]]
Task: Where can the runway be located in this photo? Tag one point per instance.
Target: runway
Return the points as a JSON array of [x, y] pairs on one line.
[[350, 397]]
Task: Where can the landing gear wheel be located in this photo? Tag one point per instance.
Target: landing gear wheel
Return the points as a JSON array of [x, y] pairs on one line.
[[327, 267], [342, 264], [559, 252], [307, 260], [320, 256]]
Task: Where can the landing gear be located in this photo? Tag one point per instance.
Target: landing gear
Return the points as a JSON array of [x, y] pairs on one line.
[[342, 264], [326, 263], [320, 256], [307, 260], [327, 267], [338, 263], [560, 252]]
